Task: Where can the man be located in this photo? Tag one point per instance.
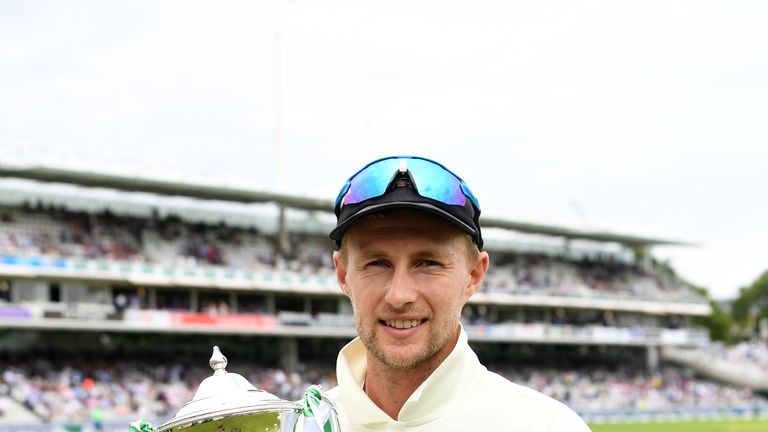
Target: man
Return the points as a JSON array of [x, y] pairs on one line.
[[410, 256]]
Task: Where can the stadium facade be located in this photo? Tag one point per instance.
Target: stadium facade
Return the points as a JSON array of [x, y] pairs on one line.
[[154, 268]]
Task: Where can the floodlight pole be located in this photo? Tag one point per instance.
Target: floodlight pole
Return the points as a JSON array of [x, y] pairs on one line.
[[282, 233], [278, 101]]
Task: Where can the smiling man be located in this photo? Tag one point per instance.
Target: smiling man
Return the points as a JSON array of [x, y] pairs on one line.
[[410, 256]]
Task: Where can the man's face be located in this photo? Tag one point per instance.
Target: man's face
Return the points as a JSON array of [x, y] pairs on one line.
[[408, 276]]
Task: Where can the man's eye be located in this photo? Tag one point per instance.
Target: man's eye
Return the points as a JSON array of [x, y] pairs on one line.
[[429, 263], [377, 263]]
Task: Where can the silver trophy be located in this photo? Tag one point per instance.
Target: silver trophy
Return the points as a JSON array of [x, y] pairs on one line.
[[227, 402]]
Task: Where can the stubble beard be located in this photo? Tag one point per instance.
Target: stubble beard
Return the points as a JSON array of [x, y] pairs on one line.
[[441, 334]]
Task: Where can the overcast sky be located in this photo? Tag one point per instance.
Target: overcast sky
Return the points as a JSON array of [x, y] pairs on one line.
[[639, 117]]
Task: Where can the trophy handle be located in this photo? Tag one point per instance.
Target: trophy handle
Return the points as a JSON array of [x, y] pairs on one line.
[[316, 412]]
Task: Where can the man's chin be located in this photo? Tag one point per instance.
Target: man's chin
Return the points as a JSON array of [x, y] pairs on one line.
[[401, 356]]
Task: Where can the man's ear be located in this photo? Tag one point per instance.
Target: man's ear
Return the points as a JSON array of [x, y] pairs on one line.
[[341, 272], [477, 274]]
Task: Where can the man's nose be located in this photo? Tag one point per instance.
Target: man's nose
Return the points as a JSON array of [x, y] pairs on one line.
[[401, 290]]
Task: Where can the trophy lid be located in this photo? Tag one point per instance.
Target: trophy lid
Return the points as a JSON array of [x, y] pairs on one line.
[[224, 394]]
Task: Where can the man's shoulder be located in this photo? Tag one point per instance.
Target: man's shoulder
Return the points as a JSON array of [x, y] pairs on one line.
[[493, 396], [529, 404], [333, 392], [502, 389]]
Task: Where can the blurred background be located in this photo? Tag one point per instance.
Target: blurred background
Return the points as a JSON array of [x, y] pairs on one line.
[[167, 172]]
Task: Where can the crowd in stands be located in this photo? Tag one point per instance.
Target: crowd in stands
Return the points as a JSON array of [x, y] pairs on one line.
[[602, 276], [38, 230], [750, 355], [58, 390], [68, 391], [595, 390], [54, 231]]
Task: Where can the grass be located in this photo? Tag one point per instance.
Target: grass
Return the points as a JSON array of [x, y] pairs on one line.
[[692, 426]]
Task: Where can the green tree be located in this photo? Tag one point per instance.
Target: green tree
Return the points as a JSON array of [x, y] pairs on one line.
[[719, 322], [752, 304]]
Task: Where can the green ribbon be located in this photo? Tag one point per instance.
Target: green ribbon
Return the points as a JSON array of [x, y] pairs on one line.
[[311, 408], [141, 425], [311, 399]]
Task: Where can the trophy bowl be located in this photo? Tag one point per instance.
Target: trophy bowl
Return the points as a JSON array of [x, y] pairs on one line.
[[227, 402]]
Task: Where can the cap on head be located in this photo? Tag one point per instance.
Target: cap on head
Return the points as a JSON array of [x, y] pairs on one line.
[[407, 182]]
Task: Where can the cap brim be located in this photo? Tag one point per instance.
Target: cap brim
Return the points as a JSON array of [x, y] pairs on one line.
[[339, 231]]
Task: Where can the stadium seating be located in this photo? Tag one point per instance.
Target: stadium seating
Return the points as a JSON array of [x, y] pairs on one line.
[[177, 255], [745, 364], [58, 233], [121, 389]]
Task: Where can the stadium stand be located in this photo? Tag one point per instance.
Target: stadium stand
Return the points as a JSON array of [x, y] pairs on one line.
[[54, 232], [60, 391], [745, 364], [127, 287]]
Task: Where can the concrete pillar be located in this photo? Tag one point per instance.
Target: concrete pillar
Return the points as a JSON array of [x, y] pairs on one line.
[[289, 354], [271, 304], [194, 301], [652, 358], [233, 306], [152, 298], [282, 233], [642, 256]]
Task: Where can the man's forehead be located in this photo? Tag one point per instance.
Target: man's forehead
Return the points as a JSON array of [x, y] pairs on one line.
[[402, 226], [405, 221]]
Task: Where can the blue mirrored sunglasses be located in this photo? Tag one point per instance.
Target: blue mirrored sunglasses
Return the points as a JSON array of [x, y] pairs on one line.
[[430, 179]]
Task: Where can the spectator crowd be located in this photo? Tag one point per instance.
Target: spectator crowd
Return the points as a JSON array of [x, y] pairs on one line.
[[75, 391], [58, 390], [68, 391], [751, 353], [56, 232], [597, 389]]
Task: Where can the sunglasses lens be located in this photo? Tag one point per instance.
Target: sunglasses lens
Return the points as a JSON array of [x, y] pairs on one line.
[[372, 181], [435, 182], [430, 179]]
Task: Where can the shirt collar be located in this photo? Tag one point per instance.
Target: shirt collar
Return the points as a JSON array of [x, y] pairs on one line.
[[436, 395]]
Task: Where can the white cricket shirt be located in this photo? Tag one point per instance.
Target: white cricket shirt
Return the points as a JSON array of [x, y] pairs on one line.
[[460, 395]]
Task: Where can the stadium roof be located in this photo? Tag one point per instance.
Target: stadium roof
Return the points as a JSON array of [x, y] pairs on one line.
[[245, 195]]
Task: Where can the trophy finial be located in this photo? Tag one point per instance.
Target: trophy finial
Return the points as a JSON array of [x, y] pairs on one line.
[[218, 362]]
